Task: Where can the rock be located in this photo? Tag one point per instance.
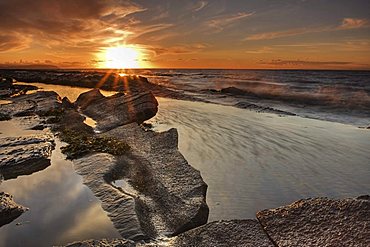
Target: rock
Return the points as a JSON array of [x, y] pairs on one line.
[[170, 193], [161, 194], [119, 206], [319, 222], [67, 104], [224, 234], [24, 155], [103, 243], [88, 98], [9, 210], [6, 83], [41, 103], [258, 108], [119, 109]]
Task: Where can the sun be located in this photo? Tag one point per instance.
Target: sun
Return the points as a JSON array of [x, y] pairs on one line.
[[122, 57]]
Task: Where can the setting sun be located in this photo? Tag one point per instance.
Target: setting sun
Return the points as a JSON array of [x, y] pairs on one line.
[[122, 57]]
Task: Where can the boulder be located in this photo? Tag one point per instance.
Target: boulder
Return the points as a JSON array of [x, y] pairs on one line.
[[88, 98], [117, 110], [24, 155], [224, 234], [319, 222], [9, 210]]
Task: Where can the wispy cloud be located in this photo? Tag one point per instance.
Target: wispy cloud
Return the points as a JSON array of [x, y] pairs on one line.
[[347, 23], [199, 6], [353, 23], [220, 22], [286, 33]]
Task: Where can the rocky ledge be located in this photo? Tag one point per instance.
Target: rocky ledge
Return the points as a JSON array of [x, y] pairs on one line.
[[150, 190], [9, 210], [311, 222]]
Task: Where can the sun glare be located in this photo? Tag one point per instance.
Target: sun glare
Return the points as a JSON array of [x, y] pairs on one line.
[[122, 57]]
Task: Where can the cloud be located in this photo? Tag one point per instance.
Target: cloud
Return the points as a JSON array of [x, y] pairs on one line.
[[199, 6], [14, 42], [280, 62], [220, 22], [287, 33], [68, 23], [353, 23]]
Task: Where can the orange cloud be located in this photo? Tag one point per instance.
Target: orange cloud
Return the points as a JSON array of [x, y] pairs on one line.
[[352, 23]]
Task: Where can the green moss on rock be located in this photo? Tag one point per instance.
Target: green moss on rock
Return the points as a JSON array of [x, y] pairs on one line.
[[81, 143]]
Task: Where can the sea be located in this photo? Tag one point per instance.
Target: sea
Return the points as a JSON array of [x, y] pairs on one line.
[[331, 95]]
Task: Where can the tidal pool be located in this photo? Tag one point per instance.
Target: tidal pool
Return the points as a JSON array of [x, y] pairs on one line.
[[61, 208]]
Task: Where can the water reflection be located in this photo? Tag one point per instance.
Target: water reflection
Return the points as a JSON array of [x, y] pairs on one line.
[[62, 209], [255, 161]]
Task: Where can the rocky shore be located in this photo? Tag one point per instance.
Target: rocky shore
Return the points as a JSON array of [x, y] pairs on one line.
[[149, 191]]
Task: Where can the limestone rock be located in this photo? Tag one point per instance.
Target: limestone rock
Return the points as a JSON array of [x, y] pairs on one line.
[[319, 222], [9, 210], [24, 155], [224, 234], [103, 243], [119, 109], [171, 193]]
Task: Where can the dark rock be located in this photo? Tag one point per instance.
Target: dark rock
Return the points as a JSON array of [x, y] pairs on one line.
[[67, 104], [103, 243], [319, 222], [88, 98], [117, 110], [9, 210], [258, 108], [224, 234], [4, 116], [24, 155], [237, 91], [41, 103], [6, 83]]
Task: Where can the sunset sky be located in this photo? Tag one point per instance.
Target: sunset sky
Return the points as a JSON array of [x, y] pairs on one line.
[[321, 34]]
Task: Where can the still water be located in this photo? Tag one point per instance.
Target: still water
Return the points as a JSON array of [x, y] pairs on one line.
[[253, 161], [61, 208]]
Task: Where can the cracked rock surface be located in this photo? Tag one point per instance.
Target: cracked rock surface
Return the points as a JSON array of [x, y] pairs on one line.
[[319, 222], [9, 210]]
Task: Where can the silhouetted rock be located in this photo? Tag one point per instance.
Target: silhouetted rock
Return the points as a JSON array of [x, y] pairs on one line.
[[119, 109], [67, 104], [319, 222], [9, 210], [24, 155]]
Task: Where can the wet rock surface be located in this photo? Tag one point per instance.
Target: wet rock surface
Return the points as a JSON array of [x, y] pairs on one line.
[[119, 109], [9, 210], [319, 222], [163, 195], [25, 155], [103, 243], [224, 234]]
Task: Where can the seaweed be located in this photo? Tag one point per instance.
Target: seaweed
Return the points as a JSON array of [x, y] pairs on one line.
[[82, 143]]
